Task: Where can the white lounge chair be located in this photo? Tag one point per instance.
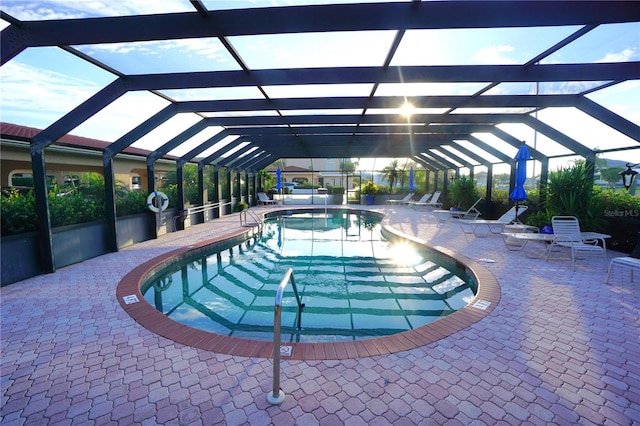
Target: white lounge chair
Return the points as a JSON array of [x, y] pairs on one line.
[[626, 262], [421, 200], [264, 200], [566, 232], [481, 228], [632, 261], [445, 215], [433, 202], [405, 200]]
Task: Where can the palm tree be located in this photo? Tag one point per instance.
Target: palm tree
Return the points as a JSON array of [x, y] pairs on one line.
[[391, 173]]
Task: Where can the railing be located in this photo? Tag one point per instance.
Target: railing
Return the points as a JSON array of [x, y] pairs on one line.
[[276, 396], [243, 215], [205, 207], [184, 214]]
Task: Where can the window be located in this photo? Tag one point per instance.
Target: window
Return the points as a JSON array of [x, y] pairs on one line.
[[71, 180], [19, 179], [136, 182]]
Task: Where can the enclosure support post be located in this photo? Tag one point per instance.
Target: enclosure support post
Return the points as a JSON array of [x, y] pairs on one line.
[[42, 208]]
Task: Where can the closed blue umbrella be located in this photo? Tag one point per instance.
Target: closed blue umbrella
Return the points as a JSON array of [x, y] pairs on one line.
[[412, 183], [279, 236], [278, 179], [518, 194]]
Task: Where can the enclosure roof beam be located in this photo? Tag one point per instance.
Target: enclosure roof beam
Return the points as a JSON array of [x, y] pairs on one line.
[[395, 74], [489, 149], [312, 18], [362, 102], [219, 153], [609, 118]]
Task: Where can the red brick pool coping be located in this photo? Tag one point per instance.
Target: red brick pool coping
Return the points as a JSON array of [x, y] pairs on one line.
[[151, 319]]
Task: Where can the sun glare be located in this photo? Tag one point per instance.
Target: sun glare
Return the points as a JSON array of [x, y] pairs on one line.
[[404, 254], [407, 109]]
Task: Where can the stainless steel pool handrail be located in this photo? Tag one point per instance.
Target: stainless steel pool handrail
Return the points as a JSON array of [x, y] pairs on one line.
[[276, 396], [244, 212]]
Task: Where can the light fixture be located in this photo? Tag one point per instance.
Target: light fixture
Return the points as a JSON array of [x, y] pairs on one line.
[[628, 175]]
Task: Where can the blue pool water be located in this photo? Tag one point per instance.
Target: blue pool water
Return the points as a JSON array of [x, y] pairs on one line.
[[353, 282]]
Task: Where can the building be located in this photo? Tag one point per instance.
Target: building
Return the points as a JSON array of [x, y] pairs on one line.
[[68, 159]]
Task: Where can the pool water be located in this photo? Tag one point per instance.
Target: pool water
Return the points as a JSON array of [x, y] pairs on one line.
[[353, 282]]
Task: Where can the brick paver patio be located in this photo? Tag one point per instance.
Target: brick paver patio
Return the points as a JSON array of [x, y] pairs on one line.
[[561, 347]]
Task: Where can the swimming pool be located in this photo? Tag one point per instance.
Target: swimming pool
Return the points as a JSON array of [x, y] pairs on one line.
[[355, 283]]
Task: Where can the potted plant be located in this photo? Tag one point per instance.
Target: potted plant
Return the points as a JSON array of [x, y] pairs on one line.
[[369, 190], [240, 205], [338, 194]]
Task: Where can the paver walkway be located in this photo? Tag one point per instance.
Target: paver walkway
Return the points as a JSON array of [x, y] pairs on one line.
[[561, 347]]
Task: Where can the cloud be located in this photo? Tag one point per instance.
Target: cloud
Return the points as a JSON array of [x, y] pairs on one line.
[[55, 9], [27, 88], [494, 55], [36, 11], [626, 55], [162, 56], [121, 116]]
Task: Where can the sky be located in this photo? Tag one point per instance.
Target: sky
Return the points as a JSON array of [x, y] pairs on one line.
[[40, 85]]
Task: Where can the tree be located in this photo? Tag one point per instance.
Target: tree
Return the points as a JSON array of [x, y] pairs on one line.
[[463, 192], [391, 173], [346, 165], [268, 180], [189, 182], [611, 175], [600, 163]]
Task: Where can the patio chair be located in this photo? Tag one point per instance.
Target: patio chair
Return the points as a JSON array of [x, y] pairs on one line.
[[567, 234], [632, 261], [445, 215], [626, 262], [405, 200], [421, 200], [264, 200], [481, 228], [433, 202]]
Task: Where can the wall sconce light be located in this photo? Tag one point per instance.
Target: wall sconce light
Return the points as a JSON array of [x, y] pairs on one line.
[[628, 175]]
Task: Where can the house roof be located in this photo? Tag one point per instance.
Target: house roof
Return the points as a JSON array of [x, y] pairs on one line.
[[290, 169], [26, 133]]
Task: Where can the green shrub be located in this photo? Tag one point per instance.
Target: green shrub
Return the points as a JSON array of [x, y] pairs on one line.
[[621, 217], [67, 206], [131, 202], [463, 192], [500, 196], [619, 203], [171, 191], [92, 186], [72, 207], [571, 192], [240, 205], [18, 212]]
